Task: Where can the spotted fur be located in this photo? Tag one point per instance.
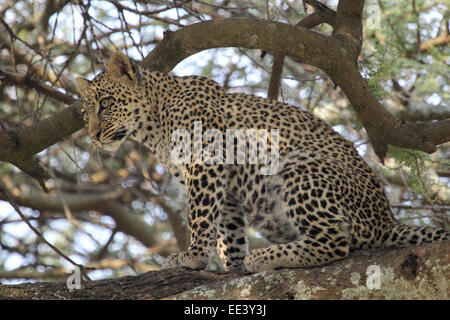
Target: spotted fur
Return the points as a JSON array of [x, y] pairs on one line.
[[323, 202]]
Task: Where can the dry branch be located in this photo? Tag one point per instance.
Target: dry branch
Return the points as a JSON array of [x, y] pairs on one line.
[[408, 273], [25, 80]]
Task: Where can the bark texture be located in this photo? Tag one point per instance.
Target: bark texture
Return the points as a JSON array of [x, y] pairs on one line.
[[407, 273]]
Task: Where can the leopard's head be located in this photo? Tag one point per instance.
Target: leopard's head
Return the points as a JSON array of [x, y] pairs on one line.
[[111, 102]]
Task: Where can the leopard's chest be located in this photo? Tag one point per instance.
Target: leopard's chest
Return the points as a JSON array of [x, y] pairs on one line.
[[165, 154]]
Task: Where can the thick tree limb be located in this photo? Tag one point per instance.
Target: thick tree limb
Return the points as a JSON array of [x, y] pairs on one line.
[[408, 273], [19, 145], [62, 273], [235, 32], [348, 26]]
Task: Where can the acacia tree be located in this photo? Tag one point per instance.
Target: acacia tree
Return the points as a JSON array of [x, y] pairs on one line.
[[375, 70]]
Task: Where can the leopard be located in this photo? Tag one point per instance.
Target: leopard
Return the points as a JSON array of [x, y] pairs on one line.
[[319, 202]]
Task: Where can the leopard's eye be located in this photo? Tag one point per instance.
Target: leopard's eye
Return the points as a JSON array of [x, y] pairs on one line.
[[104, 104]]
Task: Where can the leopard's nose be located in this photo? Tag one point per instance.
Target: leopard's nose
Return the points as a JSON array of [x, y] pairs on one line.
[[95, 135], [94, 129]]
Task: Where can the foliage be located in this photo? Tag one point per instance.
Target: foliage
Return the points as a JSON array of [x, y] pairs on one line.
[[415, 162]]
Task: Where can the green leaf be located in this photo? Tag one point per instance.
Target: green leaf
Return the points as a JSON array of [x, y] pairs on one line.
[[414, 161]]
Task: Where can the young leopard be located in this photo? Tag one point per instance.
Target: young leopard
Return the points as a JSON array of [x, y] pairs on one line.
[[321, 202]]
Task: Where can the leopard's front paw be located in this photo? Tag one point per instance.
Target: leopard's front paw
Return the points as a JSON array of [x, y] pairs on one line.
[[171, 261], [185, 259]]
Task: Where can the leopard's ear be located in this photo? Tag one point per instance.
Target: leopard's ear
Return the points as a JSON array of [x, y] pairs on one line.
[[121, 69], [82, 84]]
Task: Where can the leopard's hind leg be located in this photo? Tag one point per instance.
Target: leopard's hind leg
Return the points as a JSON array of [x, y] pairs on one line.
[[323, 231], [314, 248]]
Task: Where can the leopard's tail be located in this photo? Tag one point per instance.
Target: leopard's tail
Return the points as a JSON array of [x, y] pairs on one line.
[[401, 235]]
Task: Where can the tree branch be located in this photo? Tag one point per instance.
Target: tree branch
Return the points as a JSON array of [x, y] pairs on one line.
[[235, 32], [435, 42], [19, 145], [63, 272], [348, 26], [105, 203], [38, 234], [323, 14], [407, 273], [27, 81], [275, 76]]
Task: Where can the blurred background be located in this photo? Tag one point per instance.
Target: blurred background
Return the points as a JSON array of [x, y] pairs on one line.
[[122, 213]]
